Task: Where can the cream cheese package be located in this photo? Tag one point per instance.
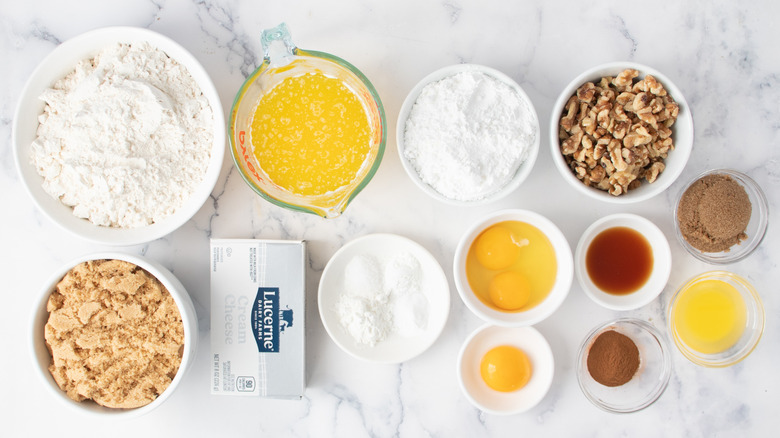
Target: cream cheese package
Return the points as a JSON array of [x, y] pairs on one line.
[[257, 317]]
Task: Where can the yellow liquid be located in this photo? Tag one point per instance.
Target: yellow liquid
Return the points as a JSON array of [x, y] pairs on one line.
[[534, 260], [311, 134], [710, 316]]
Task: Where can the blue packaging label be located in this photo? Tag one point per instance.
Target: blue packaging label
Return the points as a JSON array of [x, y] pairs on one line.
[[266, 319]]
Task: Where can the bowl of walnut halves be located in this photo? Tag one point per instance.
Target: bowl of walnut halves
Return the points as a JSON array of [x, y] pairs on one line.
[[621, 132]]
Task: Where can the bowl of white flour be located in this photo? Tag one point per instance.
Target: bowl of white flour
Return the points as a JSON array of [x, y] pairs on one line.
[[467, 135], [118, 136]]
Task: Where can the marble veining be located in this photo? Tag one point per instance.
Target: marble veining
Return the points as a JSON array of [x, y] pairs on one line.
[[722, 55]]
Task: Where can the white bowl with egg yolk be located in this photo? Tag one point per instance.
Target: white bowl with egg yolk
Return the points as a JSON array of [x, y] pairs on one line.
[[528, 340], [563, 275]]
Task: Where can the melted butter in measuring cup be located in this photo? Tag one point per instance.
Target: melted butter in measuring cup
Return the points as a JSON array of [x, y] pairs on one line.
[[311, 134]]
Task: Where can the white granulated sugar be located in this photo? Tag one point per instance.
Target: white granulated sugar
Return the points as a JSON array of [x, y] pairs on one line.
[[363, 276], [467, 135], [125, 139], [411, 314], [402, 274], [381, 297]]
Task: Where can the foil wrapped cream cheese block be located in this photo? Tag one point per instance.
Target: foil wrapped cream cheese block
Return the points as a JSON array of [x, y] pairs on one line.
[[257, 317]]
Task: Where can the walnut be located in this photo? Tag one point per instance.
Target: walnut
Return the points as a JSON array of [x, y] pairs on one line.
[[586, 92], [654, 86], [616, 132], [570, 145], [624, 79], [568, 120], [597, 174], [655, 169]]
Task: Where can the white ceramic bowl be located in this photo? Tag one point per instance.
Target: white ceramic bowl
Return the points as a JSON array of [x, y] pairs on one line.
[[522, 172], [662, 262], [560, 289], [482, 340], [42, 358], [396, 348], [59, 63], [682, 134]]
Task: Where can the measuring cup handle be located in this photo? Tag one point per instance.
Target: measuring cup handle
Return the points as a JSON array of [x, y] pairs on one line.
[[277, 44]]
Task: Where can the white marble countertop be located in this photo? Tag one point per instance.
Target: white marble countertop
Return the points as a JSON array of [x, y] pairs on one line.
[[722, 55]]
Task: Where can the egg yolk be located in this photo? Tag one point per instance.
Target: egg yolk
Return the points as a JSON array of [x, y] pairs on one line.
[[496, 248], [509, 290], [505, 368]]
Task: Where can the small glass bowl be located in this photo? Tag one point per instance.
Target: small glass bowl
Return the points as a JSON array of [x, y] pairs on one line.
[[756, 229], [650, 380], [754, 322]]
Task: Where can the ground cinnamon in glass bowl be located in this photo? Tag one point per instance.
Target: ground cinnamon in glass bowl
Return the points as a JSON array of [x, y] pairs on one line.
[[613, 359], [623, 365], [721, 216]]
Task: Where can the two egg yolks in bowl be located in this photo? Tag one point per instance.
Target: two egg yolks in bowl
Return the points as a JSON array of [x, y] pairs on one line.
[[511, 266]]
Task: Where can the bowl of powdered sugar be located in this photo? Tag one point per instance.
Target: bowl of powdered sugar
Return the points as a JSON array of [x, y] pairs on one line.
[[118, 136], [467, 135]]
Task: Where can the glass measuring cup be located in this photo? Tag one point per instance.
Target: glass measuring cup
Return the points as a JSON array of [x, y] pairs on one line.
[[283, 60]]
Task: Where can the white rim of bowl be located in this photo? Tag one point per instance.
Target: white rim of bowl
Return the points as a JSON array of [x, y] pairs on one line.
[[659, 276], [751, 187], [184, 306], [666, 178], [556, 296], [32, 181], [523, 170]]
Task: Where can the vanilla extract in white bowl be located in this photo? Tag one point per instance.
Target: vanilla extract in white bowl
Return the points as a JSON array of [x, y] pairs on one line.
[[623, 261]]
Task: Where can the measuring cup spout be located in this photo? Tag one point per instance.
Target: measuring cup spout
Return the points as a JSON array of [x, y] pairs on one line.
[[278, 47]]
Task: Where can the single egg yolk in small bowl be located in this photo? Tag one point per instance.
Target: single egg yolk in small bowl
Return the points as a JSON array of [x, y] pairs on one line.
[[505, 368]]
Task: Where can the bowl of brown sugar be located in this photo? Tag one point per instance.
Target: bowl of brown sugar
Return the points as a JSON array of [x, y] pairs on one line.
[[721, 216], [113, 335], [624, 365]]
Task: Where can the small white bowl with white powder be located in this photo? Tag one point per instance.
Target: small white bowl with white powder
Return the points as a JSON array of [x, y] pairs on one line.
[[468, 135], [383, 298], [119, 136]]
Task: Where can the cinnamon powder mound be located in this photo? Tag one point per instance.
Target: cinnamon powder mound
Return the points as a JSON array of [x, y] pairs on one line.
[[613, 359], [714, 213]]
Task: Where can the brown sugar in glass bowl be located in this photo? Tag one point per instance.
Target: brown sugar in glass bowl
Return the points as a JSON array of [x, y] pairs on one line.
[[721, 216]]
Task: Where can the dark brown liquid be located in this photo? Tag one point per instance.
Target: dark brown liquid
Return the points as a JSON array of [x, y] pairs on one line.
[[619, 260]]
